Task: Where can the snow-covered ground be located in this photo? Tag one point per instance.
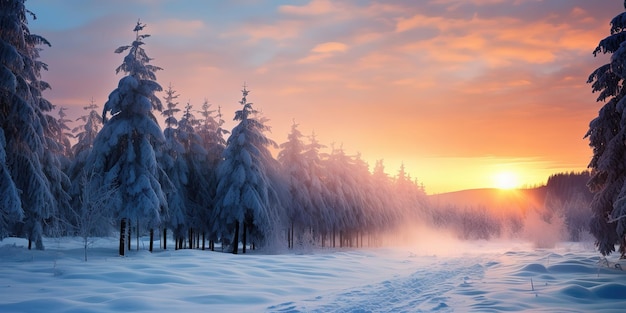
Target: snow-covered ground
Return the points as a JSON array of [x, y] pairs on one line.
[[466, 276]]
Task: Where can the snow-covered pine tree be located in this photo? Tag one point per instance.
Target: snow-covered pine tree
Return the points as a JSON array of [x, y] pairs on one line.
[[294, 166], [199, 191], [211, 133], [210, 130], [85, 133], [175, 167], [30, 149], [411, 195], [388, 216], [368, 205], [607, 134], [61, 156], [64, 136], [244, 188], [320, 213], [124, 154], [340, 188]]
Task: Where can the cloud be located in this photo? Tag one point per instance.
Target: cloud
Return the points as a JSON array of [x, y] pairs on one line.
[[179, 27], [314, 7], [324, 51], [330, 47]]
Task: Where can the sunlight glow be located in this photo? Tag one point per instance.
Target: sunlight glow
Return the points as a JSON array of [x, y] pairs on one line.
[[506, 180]]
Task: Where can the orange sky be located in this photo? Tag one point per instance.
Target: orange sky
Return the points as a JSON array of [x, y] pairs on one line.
[[456, 90]]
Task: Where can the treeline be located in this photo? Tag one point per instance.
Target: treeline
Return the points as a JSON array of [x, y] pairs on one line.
[[192, 180], [562, 203], [195, 181]]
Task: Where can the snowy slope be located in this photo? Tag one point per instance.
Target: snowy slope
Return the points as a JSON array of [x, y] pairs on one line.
[[469, 276]]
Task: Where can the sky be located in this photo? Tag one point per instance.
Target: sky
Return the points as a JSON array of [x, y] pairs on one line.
[[461, 92]]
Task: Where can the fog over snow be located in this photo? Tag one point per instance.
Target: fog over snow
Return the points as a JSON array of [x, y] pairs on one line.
[[446, 276]]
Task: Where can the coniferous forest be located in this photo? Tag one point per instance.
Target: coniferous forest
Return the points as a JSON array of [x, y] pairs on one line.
[[121, 173]]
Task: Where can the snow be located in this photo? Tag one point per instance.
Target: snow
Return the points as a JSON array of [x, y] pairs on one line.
[[468, 276]]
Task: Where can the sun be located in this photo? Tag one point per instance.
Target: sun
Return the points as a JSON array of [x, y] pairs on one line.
[[505, 180]]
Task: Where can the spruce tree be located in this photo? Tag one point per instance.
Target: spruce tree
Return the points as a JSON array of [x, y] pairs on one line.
[[175, 167], [321, 212], [245, 190], [30, 150], [209, 129], [199, 191], [85, 133], [294, 166], [607, 135], [124, 155]]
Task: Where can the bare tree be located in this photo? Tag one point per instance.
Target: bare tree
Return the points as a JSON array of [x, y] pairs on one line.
[[92, 217]]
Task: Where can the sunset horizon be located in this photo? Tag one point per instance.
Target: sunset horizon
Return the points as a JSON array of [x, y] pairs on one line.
[[463, 94]]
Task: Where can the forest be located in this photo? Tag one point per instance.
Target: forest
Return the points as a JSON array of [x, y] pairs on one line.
[[120, 174]]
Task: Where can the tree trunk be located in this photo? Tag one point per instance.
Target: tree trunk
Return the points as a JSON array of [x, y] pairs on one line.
[[203, 239], [292, 238], [30, 243], [151, 238], [190, 238], [243, 239], [236, 238], [137, 231], [85, 243], [129, 234], [164, 239], [340, 239], [122, 236]]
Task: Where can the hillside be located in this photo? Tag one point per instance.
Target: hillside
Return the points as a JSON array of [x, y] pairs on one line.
[[492, 198]]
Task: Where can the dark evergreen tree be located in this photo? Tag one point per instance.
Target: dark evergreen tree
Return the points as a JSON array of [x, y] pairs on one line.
[[200, 192], [211, 133], [175, 167], [64, 135], [607, 134], [124, 155], [85, 133], [31, 152]]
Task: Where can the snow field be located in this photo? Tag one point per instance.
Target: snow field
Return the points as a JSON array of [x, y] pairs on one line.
[[480, 277]]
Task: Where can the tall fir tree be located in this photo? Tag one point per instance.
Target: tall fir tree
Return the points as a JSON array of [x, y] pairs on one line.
[[63, 137], [318, 193], [30, 149], [199, 190], [244, 190], [209, 128], [175, 167], [607, 137], [85, 133], [124, 155], [294, 166]]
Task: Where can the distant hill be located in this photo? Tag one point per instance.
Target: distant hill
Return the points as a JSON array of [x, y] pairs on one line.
[[492, 198]]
